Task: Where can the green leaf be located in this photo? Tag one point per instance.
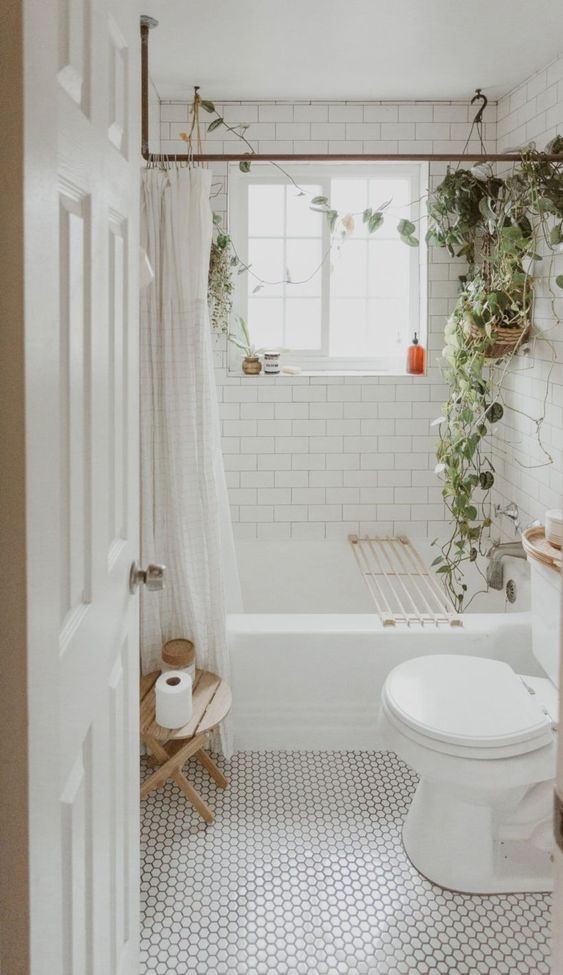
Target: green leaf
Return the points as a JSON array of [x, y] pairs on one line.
[[244, 165], [319, 200], [410, 240], [216, 219], [215, 124], [471, 513], [332, 217], [375, 221], [559, 280], [207, 106], [486, 209], [555, 235], [405, 228], [367, 214], [437, 560]]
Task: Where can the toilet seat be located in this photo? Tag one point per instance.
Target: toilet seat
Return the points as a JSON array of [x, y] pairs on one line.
[[471, 707]]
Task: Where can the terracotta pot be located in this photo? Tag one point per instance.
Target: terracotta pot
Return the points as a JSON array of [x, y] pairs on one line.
[[251, 365]]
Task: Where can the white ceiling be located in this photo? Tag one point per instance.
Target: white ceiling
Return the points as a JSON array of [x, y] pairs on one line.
[[349, 49]]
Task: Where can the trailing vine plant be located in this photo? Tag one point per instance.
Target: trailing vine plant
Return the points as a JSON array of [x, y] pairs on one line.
[[498, 225], [222, 262], [225, 260]]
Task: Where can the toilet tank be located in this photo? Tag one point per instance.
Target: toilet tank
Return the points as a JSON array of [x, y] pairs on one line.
[[546, 617]]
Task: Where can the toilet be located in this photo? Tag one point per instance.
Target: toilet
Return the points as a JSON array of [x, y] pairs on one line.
[[482, 739]]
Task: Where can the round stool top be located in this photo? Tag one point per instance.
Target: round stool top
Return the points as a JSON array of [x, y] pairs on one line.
[[212, 700]]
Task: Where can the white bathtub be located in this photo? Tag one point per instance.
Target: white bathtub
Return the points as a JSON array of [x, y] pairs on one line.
[[309, 656]]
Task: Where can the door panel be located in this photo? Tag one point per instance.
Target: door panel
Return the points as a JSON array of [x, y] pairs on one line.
[[83, 460], [75, 50]]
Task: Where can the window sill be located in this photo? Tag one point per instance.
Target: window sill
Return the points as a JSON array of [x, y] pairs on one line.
[[325, 374]]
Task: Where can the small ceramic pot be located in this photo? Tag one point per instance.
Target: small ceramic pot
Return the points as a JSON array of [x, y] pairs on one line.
[[251, 365]]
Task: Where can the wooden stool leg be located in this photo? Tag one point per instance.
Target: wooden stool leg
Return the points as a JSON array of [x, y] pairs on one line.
[[215, 773], [171, 769], [197, 802]]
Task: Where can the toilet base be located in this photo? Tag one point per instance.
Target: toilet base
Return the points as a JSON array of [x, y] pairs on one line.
[[481, 848]]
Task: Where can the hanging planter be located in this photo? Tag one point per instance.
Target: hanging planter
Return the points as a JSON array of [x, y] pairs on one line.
[[498, 225], [504, 341]]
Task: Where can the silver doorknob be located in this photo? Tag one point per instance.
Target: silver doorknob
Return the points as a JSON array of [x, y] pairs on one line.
[[152, 577]]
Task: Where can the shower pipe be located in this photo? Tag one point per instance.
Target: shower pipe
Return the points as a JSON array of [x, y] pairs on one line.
[[148, 23]]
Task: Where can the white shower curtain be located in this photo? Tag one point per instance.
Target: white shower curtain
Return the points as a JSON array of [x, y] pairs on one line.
[[185, 520]]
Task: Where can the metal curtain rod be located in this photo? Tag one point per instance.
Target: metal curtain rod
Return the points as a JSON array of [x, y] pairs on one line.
[[147, 23]]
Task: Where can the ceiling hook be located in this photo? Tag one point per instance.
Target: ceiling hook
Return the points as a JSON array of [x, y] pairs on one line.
[[479, 96]]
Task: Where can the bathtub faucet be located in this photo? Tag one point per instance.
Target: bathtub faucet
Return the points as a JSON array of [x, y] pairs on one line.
[[495, 561]]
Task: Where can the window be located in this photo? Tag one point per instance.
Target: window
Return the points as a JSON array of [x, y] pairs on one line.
[[343, 304]]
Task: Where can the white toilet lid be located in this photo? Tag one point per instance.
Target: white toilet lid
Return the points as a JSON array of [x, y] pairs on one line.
[[469, 701]]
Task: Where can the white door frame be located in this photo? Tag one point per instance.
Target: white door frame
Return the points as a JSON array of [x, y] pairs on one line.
[[14, 835]]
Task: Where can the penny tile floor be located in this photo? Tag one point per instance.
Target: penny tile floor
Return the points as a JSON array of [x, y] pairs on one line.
[[303, 873]]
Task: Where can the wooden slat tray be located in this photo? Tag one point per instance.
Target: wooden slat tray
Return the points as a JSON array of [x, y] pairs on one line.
[[537, 547], [211, 702]]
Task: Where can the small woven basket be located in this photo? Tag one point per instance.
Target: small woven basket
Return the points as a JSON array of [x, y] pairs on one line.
[[506, 340]]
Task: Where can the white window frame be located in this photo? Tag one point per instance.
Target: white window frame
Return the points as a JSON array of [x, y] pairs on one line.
[[314, 361]]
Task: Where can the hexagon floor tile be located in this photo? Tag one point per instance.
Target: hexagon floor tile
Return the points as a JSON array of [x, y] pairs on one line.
[[303, 873]]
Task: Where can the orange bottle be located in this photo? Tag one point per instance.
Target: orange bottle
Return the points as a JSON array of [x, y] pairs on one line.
[[416, 358]]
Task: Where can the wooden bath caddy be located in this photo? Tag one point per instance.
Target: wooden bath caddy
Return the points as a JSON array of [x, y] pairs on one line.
[[171, 748], [537, 547]]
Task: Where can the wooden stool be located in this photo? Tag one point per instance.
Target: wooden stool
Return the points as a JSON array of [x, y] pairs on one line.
[[171, 748]]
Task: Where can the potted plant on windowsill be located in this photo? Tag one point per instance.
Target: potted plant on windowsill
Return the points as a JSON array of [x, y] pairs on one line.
[[251, 364]]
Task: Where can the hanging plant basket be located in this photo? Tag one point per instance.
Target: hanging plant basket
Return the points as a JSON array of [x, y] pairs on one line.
[[505, 340]]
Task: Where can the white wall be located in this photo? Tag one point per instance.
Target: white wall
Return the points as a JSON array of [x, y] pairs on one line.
[[319, 457], [154, 118], [534, 112]]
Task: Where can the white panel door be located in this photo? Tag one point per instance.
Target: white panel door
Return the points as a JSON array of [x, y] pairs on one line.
[[82, 208]]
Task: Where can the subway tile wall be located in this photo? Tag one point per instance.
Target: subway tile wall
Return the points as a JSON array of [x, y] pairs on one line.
[[316, 457], [534, 386]]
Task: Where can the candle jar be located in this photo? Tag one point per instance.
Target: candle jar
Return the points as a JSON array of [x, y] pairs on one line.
[[178, 655], [271, 363]]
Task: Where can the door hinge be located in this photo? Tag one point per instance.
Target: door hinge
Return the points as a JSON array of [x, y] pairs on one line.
[[558, 819]]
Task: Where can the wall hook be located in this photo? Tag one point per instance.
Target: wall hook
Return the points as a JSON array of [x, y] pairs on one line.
[[479, 96]]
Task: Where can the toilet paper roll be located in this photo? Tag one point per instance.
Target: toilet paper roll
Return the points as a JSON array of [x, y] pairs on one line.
[[190, 669], [173, 693]]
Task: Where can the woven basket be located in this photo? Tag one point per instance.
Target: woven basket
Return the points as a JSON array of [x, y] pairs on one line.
[[506, 340]]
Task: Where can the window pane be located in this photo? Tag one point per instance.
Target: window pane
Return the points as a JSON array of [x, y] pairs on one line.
[[265, 210], [301, 220], [349, 269], [388, 323], [265, 321], [266, 260], [389, 268], [366, 280], [303, 323], [347, 327], [303, 258], [399, 192], [350, 196]]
